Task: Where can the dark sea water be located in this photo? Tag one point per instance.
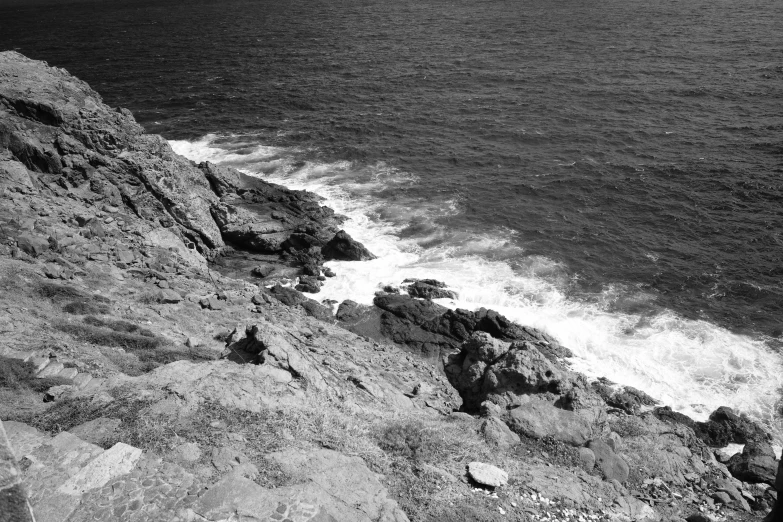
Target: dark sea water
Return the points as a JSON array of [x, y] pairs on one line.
[[610, 171]]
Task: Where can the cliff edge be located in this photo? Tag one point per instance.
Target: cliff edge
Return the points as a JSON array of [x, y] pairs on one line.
[[158, 361]]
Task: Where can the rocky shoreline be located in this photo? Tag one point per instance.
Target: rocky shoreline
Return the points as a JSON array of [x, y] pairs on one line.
[[164, 357]]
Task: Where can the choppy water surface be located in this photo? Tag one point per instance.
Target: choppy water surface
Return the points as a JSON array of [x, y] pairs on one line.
[[609, 171]]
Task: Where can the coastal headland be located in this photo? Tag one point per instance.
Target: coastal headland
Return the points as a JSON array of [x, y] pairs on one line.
[[165, 357]]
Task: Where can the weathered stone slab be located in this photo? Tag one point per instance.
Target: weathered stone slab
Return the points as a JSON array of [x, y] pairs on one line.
[[118, 460], [539, 419]]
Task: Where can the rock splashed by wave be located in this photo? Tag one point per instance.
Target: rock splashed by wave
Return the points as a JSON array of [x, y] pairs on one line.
[[693, 365]]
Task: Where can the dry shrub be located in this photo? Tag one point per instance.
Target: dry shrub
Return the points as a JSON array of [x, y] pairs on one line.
[[118, 326], [107, 337], [18, 375], [83, 307], [410, 439]]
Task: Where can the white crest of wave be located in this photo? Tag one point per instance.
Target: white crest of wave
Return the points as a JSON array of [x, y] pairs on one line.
[[692, 366]]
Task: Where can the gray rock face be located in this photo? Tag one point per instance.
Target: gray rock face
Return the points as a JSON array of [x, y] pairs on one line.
[[539, 419], [489, 369], [55, 127], [613, 467], [430, 289]]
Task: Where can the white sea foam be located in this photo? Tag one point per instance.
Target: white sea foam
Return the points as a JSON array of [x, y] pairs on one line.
[[692, 366]]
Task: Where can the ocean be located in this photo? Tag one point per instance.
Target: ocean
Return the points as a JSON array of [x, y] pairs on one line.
[[609, 172]]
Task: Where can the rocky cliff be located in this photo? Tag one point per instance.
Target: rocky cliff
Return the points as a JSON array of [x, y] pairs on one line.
[[152, 368]]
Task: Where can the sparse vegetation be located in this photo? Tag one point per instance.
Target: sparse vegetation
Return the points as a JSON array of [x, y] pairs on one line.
[[118, 326], [410, 439], [17, 375], [107, 337], [83, 307]]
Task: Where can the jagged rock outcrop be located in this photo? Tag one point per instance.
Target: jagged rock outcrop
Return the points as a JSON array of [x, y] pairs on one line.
[[756, 464], [429, 289], [723, 427], [488, 369], [434, 330], [56, 131], [343, 247]]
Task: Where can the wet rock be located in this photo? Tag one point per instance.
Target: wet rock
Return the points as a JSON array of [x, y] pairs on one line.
[[726, 427], [350, 310], [309, 284], [487, 474], [430, 289], [263, 271], [317, 310], [343, 247], [756, 464], [286, 295], [626, 398]]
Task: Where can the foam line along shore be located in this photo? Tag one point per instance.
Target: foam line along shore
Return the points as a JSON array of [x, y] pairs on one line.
[[693, 366]]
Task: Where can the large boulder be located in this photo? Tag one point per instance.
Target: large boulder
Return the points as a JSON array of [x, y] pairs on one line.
[[726, 427], [343, 247], [722, 428], [488, 369], [612, 466], [428, 327], [756, 464], [776, 515], [539, 419]]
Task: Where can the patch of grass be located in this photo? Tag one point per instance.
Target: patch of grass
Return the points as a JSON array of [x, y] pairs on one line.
[[148, 298], [410, 439], [137, 428], [145, 351], [18, 375], [57, 293], [549, 450], [107, 337], [83, 307], [118, 326]]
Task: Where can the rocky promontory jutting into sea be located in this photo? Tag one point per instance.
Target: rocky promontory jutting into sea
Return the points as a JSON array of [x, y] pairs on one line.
[[164, 357]]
